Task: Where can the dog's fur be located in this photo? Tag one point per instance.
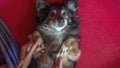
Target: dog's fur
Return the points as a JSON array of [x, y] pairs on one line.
[[58, 26]]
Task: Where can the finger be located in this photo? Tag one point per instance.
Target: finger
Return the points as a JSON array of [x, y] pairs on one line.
[[60, 62], [20, 64], [29, 46], [29, 56], [34, 46]]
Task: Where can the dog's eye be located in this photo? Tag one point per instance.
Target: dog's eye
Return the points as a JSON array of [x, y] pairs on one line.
[[64, 14], [53, 13]]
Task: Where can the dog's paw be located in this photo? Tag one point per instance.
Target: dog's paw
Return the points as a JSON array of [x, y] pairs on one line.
[[71, 49], [36, 36], [39, 51]]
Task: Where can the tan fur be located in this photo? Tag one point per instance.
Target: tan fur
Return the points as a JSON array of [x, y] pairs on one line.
[[69, 52]]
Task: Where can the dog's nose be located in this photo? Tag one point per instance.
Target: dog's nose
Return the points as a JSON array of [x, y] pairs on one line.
[[61, 23], [60, 20]]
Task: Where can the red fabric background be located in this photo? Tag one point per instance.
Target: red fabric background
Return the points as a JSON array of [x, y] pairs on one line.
[[99, 31]]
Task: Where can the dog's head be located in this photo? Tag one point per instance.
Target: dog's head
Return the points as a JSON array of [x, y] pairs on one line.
[[56, 16]]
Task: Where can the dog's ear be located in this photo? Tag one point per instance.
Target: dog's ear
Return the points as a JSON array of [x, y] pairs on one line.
[[72, 5], [41, 4], [42, 9]]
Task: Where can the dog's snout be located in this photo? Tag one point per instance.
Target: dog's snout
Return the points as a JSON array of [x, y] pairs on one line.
[[60, 24]]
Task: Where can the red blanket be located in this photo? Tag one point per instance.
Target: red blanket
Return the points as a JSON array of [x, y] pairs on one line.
[[99, 31]]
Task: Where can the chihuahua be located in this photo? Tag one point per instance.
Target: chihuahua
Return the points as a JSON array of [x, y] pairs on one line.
[[59, 26]]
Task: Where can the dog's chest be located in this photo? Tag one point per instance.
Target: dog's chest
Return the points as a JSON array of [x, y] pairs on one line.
[[52, 36], [59, 36], [55, 37]]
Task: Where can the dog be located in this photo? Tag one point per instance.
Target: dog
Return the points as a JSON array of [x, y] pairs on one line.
[[59, 26]]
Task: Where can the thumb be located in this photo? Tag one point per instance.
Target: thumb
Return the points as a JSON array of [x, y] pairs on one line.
[[35, 44], [29, 56]]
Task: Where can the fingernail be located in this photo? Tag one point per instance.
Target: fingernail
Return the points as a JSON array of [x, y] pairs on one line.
[[35, 42]]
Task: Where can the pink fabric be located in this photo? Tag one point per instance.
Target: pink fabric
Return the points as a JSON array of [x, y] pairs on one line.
[[19, 16], [99, 31], [100, 34]]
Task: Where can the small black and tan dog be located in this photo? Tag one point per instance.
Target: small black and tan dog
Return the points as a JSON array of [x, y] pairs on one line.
[[59, 26]]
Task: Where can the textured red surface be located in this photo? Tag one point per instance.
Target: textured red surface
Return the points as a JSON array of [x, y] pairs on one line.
[[100, 28]]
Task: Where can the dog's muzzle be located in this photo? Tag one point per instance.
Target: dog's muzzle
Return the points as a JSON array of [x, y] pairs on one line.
[[61, 24]]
